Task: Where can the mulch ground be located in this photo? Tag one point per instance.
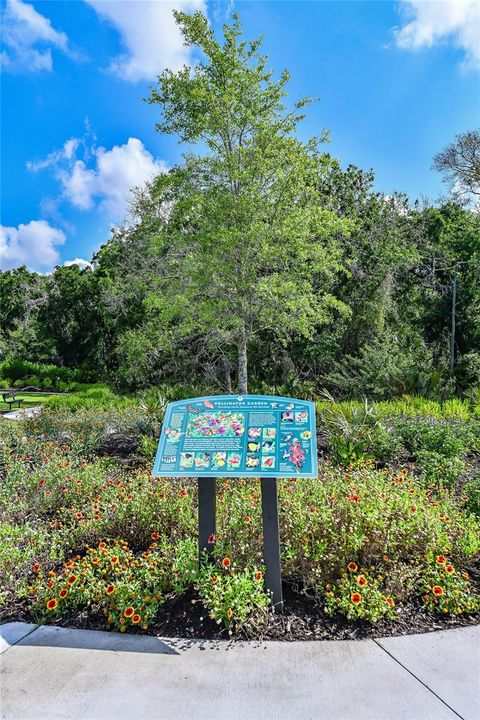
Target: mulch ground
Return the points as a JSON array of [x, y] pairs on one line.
[[302, 619]]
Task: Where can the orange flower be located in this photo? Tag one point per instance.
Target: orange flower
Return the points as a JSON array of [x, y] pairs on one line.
[[136, 618], [114, 559], [258, 575], [72, 580], [356, 598], [51, 583], [129, 611], [352, 566], [110, 589], [63, 593], [404, 471], [437, 590], [155, 536], [441, 559], [450, 569], [226, 562], [214, 579], [390, 601], [183, 493], [361, 580], [229, 613], [52, 604]]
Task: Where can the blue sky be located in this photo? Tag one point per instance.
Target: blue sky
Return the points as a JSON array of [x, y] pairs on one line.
[[396, 81]]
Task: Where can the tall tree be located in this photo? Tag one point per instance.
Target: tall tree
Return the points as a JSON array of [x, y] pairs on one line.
[[460, 164], [246, 247]]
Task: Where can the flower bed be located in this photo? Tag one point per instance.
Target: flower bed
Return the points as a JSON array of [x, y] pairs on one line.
[[97, 542]]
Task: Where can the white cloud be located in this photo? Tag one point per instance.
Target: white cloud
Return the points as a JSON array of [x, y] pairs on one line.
[[430, 23], [66, 153], [33, 245], [82, 264], [149, 34], [28, 38], [104, 177]]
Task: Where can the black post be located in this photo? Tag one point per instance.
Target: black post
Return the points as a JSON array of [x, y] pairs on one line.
[[271, 542], [206, 514]]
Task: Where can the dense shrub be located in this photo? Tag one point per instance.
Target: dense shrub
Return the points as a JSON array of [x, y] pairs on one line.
[[20, 373]]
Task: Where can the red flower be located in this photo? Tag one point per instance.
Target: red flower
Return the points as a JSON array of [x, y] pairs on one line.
[[258, 575], [155, 535], [110, 589], [72, 580], [102, 545], [352, 566], [450, 569], [183, 493], [51, 583], [354, 498], [390, 601], [441, 559], [114, 559], [361, 580], [226, 562], [36, 567], [437, 590], [52, 604], [79, 515], [63, 593], [211, 539], [214, 579], [129, 611], [136, 618], [356, 598]]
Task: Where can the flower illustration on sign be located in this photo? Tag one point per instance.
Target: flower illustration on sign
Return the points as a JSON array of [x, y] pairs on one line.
[[297, 456]]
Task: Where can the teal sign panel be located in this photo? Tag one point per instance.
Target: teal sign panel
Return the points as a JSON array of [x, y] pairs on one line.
[[238, 436]]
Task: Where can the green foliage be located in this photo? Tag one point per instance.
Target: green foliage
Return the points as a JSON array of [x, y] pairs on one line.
[[22, 372], [233, 596], [447, 440], [438, 470], [471, 496]]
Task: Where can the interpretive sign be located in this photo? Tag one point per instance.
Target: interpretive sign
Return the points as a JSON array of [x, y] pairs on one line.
[[238, 436], [255, 436]]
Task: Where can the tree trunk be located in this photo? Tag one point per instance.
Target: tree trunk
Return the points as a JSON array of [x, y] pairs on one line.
[[228, 378], [242, 363], [452, 335]]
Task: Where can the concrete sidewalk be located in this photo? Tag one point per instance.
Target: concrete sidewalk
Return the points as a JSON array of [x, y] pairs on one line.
[[50, 673]]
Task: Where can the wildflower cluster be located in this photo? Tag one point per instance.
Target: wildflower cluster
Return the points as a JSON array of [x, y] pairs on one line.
[[358, 595], [232, 595], [110, 578], [447, 590]]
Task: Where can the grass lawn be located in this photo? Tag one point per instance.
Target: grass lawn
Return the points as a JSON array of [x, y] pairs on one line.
[[30, 399]]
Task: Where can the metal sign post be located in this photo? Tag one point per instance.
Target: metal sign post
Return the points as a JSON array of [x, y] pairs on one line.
[[271, 542], [206, 514], [254, 436]]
